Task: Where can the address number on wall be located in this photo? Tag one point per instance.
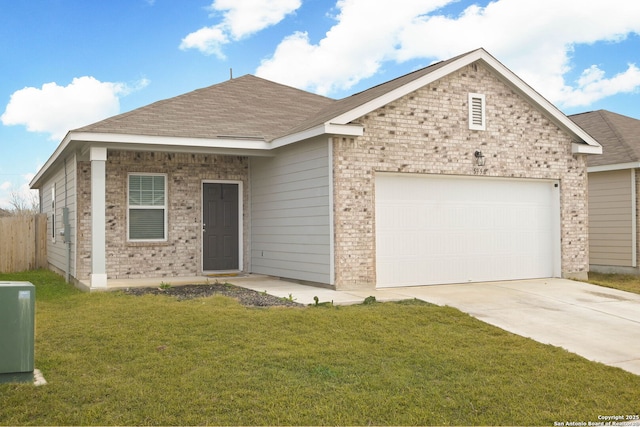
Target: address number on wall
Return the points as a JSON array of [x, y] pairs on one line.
[[480, 171]]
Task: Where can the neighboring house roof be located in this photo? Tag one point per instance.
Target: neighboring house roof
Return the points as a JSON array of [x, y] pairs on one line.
[[252, 116], [618, 134], [4, 212]]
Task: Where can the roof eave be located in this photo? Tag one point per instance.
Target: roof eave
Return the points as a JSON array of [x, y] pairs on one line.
[[222, 145], [323, 129], [560, 119], [582, 148], [36, 181], [177, 141], [614, 167]]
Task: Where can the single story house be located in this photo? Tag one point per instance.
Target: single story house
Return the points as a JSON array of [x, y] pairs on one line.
[[457, 172], [613, 191]]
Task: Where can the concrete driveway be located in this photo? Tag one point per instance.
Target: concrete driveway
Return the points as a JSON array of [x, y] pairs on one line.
[[598, 323]]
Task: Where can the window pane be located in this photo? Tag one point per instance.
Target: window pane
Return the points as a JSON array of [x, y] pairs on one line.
[[146, 224], [158, 190], [146, 198], [134, 190], [146, 190]]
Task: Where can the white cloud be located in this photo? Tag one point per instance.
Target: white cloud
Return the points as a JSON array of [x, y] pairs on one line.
[[241, 18], [208, 40], [246, 17], [366, 34], [535, 39], [593, 86], [55, 109]]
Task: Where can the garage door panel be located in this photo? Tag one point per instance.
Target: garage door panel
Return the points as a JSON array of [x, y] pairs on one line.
[[434, 230]]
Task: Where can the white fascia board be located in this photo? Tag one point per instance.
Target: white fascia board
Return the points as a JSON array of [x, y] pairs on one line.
[[580, 148], [559, 117], [233, 143], [616, 167], [190, 150], [323, 129], [232, 146], [58, 151]]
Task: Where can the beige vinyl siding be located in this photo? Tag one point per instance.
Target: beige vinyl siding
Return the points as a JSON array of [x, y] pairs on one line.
[[611, 218], [65, 194], [291, 213]]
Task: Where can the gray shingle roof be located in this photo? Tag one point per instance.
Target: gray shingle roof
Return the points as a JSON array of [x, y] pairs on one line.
[[244, 107], [619, 136], [351, 102]]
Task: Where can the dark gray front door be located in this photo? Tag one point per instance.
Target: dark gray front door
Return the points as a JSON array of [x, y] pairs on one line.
[[220, 225]]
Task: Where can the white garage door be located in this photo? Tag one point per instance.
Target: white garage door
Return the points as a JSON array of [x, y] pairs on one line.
[[432, 229]]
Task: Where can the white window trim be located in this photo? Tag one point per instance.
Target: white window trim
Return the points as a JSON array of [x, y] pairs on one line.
[[472, 124], [165, 207]]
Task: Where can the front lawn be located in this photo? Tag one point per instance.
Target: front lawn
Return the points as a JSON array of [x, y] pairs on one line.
[[623, 282], [116, 359]]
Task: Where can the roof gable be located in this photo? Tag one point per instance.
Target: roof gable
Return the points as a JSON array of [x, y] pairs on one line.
[[351, 108], [618, 134]]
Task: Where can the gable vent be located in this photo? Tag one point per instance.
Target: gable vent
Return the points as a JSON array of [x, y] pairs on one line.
[[476, 111]]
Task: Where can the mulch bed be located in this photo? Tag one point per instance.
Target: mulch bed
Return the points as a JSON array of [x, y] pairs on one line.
[[245, 296]]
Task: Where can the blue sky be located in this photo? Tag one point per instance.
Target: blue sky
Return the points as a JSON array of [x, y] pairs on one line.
[[68, 63]]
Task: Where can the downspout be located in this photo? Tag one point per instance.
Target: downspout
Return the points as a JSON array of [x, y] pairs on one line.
[[66, 227], [634, 219]]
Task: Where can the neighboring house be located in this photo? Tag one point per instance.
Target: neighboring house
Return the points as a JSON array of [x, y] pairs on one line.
[[458, 172], [613, 191]]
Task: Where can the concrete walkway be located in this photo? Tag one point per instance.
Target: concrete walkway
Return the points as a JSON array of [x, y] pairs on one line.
[[598, 323]]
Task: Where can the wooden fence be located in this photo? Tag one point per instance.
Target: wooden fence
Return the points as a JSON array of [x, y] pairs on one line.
[[23, 243]]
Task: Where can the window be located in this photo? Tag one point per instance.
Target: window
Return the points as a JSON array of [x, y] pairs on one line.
[[476, 111], [147, 207]]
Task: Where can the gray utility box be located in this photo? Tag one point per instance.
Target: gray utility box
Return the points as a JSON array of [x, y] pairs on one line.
[[17, 327]]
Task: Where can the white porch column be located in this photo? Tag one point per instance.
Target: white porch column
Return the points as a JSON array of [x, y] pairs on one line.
[[98, 156]]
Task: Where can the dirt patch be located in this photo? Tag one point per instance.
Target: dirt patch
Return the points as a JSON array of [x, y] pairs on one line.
[[246, 297]]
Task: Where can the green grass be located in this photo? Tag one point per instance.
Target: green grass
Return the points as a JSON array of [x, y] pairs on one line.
[[623, 282], [115, 359]]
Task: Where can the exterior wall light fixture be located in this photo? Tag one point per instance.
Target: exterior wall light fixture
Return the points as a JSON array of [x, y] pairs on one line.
[[479, 158]]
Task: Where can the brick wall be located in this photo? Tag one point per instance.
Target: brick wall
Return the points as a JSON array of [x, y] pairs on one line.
[[427, 132], [180, 255]]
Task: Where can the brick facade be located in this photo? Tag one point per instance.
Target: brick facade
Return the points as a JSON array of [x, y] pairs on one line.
[[427, 132], [181, 254]]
